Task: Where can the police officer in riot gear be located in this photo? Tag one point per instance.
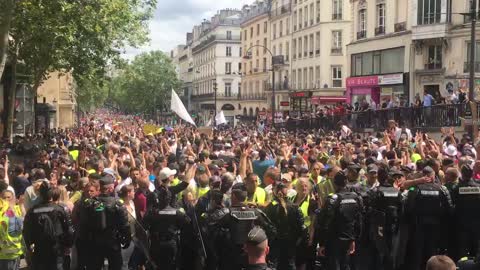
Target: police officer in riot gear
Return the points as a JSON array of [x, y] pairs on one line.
[[339, 225], [466, 198], [47, 231], [289, 222], [428, 206], [164, 224], [232, 226], [385, 207], [257, 249], [104, 225]]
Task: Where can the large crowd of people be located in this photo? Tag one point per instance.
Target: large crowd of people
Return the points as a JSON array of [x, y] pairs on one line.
[[109, 194]]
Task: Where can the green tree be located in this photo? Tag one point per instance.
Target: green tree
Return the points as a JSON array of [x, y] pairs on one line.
[[78, 36], [145, 84]]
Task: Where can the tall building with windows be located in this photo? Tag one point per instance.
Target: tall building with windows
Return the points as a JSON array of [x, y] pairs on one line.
[[441, 40], [216, 66], [280, 42], [256, 63], [320, 32], [379, 56]]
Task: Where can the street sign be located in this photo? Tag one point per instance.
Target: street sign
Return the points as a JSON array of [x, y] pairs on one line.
[[284, 103], [238, 117]]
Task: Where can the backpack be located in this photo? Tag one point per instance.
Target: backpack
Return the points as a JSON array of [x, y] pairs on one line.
[[97, 216], [48, 225]]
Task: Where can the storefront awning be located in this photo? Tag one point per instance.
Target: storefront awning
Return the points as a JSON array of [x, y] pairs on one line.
[[327, 100]]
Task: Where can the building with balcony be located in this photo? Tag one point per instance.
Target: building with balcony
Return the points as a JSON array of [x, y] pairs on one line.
[[379, 54], [216, 66], [441, 39], [256, 63], [320, 32], [280, 41]]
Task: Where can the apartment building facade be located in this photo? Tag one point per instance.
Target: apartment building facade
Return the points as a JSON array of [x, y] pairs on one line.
[[379, 56], [216, 66], [321, 30], [256, 61], [280, 42], [441, 41]]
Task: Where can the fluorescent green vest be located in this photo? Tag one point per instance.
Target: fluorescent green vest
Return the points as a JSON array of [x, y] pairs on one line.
[[259, 197], [10, 247]]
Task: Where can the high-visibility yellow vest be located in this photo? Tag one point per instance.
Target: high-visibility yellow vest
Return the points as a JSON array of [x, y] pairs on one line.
[[10, 247], [201, 191], [259, 197], [74, 154], [304, 209]]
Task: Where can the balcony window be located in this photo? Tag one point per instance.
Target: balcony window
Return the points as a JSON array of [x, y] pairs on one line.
[[434, 57], [228, 89], [229, 51], [467, 58], [229, 35], [336, 42], [429, 11], [380, 29], [336, 76], [337, 9], [362, 24], [228, 68]]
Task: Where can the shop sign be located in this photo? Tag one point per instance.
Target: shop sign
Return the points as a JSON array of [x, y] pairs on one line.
[[301, 94], [284, 103], [390, 79], [362, 81], [386, 91], [315, 100]]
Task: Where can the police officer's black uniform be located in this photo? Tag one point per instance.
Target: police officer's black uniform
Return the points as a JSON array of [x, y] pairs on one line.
[[339, 224], [383, 215], [290, 232], [466, 198], [164, 223], [48, 232], [232, 226], [428, 207], [104, 227]]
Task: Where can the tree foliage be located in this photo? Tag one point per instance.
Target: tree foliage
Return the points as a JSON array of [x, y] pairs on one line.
[[81, 36], [145, 84]]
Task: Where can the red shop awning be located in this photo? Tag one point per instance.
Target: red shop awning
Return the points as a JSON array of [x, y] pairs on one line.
[[326, 100]]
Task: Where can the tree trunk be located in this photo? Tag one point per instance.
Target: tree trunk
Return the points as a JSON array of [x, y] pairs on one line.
[[6, 16], [12, 96]]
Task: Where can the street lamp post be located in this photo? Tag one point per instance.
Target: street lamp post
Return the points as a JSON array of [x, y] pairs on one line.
[[215, 101], [273, 77], [471, 94]]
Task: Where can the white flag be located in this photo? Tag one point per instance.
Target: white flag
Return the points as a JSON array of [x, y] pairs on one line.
[[178, 107], [220, 118]]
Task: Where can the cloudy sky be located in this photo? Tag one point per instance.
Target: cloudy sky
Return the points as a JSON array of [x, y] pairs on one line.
[[174, 18]]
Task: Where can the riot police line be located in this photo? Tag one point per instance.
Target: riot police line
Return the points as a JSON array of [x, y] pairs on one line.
[[356, 228]]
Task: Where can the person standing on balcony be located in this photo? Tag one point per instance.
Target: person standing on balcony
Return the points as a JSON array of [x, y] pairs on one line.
[[428, 101]]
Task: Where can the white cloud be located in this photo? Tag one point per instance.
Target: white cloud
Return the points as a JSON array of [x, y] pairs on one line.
[[174, 18]]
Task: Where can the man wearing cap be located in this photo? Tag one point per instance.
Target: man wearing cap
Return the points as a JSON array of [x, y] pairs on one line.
[[466, 198], [289, 222], [429, 206], [385, 207], [257, 249], [237, 221], [104, 223], [165, 178], [339, 224], [372, 181]]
